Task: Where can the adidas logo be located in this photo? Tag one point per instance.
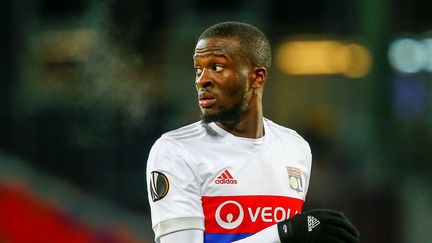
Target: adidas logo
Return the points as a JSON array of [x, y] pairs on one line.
[[225, 178], [312, 222]]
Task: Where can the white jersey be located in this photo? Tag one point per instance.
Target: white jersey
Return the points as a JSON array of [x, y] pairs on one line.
[[202, 177]]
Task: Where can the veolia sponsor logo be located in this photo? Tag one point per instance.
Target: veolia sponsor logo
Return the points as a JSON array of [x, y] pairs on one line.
[[229, 224], [230, 220]]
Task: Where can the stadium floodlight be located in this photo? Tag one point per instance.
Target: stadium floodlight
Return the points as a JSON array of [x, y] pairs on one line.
[[323, 57], [408, 55]]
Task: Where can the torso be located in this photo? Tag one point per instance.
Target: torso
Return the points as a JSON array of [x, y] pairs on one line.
[[247, 184]]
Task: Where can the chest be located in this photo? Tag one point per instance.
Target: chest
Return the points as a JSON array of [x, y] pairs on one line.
[[251, 190], [277, 170]]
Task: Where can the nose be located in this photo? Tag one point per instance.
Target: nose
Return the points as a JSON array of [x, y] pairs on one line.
[[204, 80]]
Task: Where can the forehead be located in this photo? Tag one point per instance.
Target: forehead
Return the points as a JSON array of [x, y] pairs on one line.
[[217, 46]]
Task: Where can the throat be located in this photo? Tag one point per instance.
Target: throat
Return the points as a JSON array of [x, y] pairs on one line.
[[244, 128]]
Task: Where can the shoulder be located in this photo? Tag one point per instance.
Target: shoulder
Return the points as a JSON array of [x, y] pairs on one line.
[[172, 150], [286, 133], [175, 140], [190, 131]]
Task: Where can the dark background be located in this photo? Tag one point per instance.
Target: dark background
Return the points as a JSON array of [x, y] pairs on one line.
[[87, 86]]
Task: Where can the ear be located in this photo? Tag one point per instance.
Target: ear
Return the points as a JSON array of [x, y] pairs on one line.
[[260, 76]]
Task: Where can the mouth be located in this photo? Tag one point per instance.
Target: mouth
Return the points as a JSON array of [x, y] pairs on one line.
[[206, 100]]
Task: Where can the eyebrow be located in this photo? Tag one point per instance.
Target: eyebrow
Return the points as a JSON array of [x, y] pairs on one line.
[[210, 55]]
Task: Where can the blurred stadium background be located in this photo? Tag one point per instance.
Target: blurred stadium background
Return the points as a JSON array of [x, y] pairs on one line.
[[87, 86]]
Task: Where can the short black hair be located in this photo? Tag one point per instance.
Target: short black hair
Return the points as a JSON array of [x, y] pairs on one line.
[[253, 43]]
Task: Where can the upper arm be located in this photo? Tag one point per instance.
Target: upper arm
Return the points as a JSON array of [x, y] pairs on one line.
[[173, 191]]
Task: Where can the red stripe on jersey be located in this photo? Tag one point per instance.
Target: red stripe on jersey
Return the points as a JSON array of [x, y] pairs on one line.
[[224, 176], [247, 214]]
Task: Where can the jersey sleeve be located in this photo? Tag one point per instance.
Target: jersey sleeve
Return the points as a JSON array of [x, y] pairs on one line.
[[308, 170], [173, 190]]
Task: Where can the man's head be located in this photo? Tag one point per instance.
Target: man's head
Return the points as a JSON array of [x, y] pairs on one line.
[[254, 45], [231, 61]]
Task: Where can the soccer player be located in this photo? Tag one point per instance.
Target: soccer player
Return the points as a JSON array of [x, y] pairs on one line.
[[235, 175]]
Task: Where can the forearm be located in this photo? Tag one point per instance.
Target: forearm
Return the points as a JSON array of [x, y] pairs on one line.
[[267, 235], [184, 236], [321, 225]]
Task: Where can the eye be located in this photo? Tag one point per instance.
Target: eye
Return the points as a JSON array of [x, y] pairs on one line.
[[217, 68]]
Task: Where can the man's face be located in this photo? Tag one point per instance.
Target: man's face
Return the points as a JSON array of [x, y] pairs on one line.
[[221, 80]]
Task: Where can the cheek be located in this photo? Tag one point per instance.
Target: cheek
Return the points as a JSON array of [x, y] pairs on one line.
[[242, 82], [234, 85], [234, 89], [236, 95]]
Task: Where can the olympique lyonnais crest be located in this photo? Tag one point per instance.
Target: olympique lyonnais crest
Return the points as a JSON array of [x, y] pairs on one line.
[[295, 179]]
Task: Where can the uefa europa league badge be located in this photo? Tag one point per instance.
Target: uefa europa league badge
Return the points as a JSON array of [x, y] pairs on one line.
[[159, 185]]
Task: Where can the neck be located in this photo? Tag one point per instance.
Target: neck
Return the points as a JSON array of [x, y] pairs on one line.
[[250, 126]]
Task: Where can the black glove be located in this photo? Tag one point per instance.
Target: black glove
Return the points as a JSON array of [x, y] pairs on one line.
[[320, 225]]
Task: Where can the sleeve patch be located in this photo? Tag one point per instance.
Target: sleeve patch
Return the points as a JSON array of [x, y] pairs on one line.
[[159, 185]]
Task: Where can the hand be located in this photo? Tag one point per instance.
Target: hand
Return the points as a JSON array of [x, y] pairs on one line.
[[320, 225]]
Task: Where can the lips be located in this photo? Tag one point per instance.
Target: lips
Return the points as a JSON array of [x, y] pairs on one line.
[[206, 100]]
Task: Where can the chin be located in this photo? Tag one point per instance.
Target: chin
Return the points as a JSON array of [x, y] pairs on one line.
[[210, 117]]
